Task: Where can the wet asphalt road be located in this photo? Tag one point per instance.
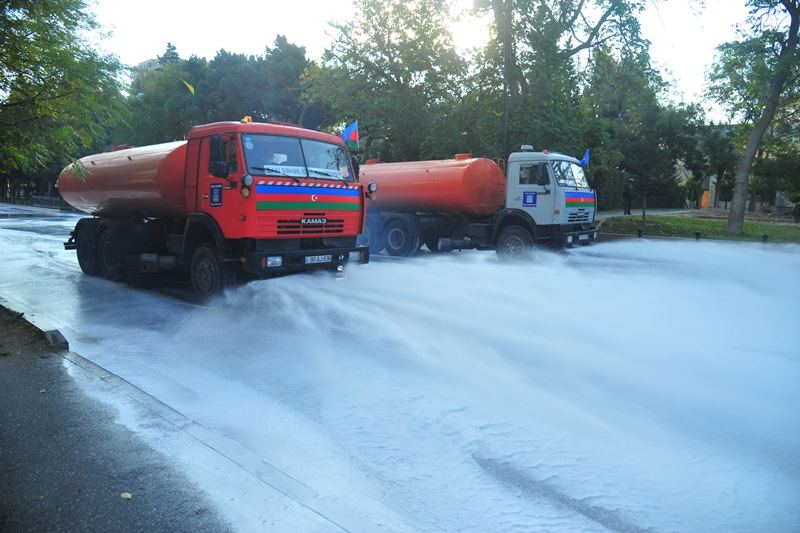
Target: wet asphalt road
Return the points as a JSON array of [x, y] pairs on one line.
[[64, 462]]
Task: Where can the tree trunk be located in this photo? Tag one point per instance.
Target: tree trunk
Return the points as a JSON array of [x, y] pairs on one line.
[[753, 200], [736, 215]]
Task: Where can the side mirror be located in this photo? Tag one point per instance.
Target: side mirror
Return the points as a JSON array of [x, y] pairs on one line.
[[219, 169], [356, 166], [219, 164]]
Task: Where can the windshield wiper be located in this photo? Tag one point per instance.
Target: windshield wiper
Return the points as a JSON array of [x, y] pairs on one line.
[[277, 171], [330, 174]]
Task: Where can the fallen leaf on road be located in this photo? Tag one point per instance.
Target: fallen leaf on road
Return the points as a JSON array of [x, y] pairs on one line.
[[125, 495]]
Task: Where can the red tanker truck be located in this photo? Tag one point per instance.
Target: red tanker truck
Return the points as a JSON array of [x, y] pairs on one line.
[[234, 197], [468, 202]]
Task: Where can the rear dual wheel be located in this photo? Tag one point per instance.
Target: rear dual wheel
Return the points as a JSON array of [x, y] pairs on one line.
[[109, 257], [87, 252], [401, 237]]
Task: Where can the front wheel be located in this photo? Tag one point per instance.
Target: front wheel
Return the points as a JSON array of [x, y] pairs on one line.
[[209, 274], [372, 236], [515, 242]]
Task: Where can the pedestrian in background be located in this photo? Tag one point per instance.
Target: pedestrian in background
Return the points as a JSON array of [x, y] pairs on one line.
[[627, 198]]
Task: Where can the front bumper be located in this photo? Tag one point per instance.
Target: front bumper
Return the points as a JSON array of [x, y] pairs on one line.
[[276, 262], [572, 238]]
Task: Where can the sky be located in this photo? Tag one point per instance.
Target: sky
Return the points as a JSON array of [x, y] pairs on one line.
[[683, 34]]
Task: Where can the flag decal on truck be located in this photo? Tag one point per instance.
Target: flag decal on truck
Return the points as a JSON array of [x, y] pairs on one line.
[[579, 199], [289, 197]]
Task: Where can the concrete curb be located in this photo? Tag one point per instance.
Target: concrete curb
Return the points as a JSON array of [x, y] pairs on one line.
[[54, 338]]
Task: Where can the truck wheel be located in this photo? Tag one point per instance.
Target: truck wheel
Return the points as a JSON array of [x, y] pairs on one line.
[[515, 242], [209, 274], [108, 256], [87, 253], [372, 238], [401, 238]]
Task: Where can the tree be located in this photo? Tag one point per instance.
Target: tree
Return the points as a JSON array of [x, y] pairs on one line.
[[57, 95], [163, 108], [170, 55], [180, 94], [395, 69], [751, 77], [634, 138], [283, 68], [717, 143], [531, 61]]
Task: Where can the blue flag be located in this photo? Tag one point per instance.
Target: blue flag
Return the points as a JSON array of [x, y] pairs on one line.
[[585, 161], [350, 136]]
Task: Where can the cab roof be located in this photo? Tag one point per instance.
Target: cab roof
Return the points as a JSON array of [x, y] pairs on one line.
[[541, 156], [261, 127]]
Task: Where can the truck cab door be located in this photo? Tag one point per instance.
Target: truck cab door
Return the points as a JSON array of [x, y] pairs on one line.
[[218, 196], [530, 188]]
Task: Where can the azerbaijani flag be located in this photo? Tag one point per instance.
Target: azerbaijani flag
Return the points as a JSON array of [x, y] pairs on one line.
[[350, 136], [579, 199], [310, 197]]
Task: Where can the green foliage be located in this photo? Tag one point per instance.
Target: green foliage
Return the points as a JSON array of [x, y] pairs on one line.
[[635, 138], [561, 74], [685, 227], [395, 69], [757, 79], [170, 55], [228, 87], [58, 96], [741, 81]]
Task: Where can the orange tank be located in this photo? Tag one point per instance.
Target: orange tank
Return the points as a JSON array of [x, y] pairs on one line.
[[145, 181], [470, 186]]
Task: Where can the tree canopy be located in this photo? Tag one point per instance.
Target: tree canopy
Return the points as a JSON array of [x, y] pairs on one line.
[[756, 77], [558, 74], [57, 95]]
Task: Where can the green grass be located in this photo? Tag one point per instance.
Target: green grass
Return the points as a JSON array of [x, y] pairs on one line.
[[684, 226]]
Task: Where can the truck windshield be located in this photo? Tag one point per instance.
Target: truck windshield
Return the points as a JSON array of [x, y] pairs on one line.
[[275, 155], [569, 174]]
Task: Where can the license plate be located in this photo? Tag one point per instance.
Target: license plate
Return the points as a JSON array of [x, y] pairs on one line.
[[583, 237], [314, 259]]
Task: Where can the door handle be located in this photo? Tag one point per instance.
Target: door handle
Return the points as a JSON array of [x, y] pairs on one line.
[[204, 196], [518, 198]]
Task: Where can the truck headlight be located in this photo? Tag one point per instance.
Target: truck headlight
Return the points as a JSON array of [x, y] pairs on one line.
[[355, 256], [569, 239], [274, 261]]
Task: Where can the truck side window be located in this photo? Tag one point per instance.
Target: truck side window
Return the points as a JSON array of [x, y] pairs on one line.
[[534, 174], [230, 150], [527, 175], [542, 178]]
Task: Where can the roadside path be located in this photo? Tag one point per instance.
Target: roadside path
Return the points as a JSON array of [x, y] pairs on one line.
[[66, 464]]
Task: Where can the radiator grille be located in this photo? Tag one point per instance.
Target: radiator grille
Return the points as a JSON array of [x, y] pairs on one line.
[[581, 215], [295, 227]]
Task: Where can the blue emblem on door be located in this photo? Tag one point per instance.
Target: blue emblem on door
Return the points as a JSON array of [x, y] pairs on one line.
[[215, 198], [529, 199]]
